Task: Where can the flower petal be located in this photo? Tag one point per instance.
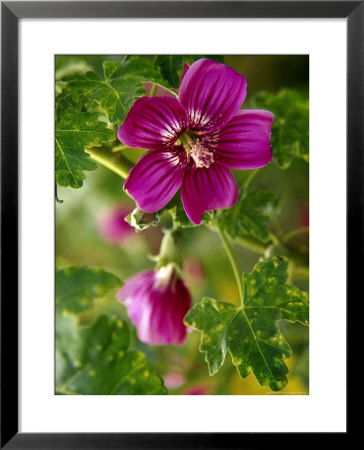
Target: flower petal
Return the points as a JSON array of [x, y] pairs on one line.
[[169, 307], [154, 180], [134, 294], [206, 189], [153, 123], [212, 93], [244, 142]]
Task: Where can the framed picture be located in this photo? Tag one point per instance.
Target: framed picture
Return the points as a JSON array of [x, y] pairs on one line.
[[193, 113]]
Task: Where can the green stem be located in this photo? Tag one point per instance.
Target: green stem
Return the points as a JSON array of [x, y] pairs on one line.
[[243, 189], [153, 91], [249, 179], [120, 147], [238, 278], [257, 247], [293, 233], [274, 239], [168, 250], [113, 161]]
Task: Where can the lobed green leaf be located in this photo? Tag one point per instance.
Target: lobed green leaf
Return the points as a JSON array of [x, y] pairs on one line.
[[251, 331], [115, 92]]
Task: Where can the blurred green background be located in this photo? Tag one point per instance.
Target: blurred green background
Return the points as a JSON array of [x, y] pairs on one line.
[[207, 271]]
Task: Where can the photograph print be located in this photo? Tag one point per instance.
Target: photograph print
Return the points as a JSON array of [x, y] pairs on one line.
[[182, 224]]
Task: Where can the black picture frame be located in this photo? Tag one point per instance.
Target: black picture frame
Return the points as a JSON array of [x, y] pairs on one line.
[[11, 12]]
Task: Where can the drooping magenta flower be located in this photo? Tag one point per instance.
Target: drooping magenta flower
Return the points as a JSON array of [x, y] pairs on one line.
[[157, 302], [195, 140], [112, 225]]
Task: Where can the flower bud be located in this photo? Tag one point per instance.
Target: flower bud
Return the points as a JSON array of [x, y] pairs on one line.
[[141, 220]]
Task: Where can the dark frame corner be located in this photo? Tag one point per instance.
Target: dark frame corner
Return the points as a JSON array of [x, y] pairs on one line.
[[11, 12]]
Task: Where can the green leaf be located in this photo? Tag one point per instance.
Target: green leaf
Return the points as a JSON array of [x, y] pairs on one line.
[[290, 131], [251, 215], [76, 130], [95, 360], [251, 332], [115, 92], [171, 66], [77, 287]]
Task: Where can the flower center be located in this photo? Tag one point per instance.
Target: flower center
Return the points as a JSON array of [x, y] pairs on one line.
[[201, 155], [195, 149]]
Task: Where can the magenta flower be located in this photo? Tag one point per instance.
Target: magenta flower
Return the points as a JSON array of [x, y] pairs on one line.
[[112, 225], [195, 140], [197, 390], [157, 302]]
